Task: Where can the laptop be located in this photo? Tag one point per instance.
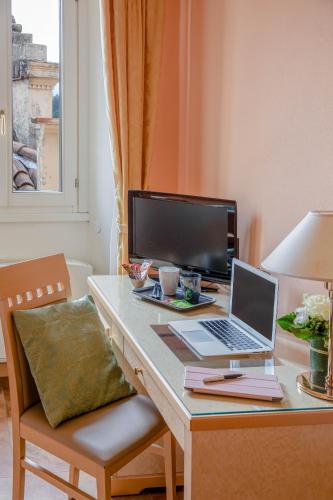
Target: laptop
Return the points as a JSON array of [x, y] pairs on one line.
[[250, 326]]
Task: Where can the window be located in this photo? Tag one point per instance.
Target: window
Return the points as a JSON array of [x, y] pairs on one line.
[[39, 95], [36, 96]]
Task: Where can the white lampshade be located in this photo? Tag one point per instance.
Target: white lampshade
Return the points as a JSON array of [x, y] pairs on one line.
[[307, 251]]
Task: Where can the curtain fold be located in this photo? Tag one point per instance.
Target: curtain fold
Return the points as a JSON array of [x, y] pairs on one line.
[[132, 36]]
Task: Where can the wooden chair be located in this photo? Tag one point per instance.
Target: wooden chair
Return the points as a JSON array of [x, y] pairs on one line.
[[133, 424]]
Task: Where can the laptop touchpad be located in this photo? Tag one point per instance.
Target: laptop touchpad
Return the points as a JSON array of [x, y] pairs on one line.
[[197, 336]]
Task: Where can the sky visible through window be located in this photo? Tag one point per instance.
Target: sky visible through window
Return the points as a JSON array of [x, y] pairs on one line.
[[38, 17]]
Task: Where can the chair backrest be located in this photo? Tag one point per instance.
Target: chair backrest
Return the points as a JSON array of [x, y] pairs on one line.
[[27, 285]]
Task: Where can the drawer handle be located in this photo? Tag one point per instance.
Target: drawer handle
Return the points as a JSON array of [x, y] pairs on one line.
[[2, 122], [138, 371]]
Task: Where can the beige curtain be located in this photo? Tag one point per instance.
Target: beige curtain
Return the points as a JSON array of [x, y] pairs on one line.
[[132, 34]]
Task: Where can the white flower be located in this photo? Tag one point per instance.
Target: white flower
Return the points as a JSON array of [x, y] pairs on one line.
[[317, 305], [301, 315]]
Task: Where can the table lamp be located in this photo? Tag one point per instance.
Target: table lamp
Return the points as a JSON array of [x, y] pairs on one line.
[[307, 252]]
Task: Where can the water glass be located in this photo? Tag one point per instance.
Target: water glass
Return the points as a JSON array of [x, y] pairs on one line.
[[191, 286]]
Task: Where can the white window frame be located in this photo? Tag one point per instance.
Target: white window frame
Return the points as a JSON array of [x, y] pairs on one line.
[[71, 203]]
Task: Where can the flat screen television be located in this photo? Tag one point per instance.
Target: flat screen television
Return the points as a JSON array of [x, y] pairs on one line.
[[190, 232]]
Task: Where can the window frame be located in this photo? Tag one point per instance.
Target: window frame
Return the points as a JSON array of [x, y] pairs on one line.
[[72, 199]]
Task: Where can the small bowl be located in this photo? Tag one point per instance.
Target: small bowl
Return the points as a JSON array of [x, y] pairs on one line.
[[137, 283]]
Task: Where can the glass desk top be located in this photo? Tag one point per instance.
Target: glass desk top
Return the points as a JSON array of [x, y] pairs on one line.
[[136, 317]]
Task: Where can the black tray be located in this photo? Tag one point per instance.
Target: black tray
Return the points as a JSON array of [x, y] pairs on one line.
[[172, 302]]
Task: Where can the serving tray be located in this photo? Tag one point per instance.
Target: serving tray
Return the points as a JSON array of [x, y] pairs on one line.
[[172, 302]]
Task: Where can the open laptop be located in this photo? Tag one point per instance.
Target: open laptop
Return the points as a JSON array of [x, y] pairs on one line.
[[250, 326]]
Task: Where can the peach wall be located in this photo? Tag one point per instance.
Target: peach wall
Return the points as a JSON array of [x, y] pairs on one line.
[[164, 165], [260, 116]]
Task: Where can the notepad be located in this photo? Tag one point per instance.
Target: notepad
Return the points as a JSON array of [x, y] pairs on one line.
[[252, 385]]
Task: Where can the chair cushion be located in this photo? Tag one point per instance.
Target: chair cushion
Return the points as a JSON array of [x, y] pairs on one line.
[[70, 358], [106, 435]]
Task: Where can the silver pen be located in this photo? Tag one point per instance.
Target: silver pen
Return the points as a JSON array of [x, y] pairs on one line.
[[218, 378]]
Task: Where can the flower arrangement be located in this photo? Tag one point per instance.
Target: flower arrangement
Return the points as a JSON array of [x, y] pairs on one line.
[[310, 321]]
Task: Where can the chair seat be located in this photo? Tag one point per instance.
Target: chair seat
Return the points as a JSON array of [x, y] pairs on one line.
[[106, 435]]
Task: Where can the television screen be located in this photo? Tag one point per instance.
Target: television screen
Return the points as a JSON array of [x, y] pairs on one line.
[[190, 232]]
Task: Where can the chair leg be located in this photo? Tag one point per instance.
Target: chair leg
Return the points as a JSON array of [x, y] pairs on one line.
[[170, 465], [18, 470], [74, 476], [103, 480]]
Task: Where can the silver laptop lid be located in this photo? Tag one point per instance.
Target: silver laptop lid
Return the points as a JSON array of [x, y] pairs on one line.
[[253, 301]]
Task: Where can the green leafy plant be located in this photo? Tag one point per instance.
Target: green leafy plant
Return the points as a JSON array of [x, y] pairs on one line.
[[309, 322]]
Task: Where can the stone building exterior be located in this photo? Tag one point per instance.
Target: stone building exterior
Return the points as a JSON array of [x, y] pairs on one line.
[[33, 81]]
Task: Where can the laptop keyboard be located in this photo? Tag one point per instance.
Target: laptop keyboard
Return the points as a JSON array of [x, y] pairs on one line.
[[233, 338]]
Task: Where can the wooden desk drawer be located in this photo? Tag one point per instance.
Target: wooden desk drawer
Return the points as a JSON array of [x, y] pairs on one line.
[[117, 337], [128, 370], [103, 316], [135, 363], [146, 379], [146, 467]]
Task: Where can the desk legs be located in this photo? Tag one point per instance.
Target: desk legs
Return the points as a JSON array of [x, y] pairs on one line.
[[260, 463]]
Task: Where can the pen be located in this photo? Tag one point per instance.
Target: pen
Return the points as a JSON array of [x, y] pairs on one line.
[[218, 378]]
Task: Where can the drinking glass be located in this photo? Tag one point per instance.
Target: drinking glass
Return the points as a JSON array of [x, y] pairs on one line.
[[191, 286]]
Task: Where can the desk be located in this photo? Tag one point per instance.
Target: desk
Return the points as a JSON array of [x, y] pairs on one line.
[[233, 448]]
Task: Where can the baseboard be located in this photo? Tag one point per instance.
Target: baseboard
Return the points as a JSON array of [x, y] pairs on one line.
[[134, 485]]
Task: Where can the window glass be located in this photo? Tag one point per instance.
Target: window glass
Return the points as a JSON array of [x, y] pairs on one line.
[[36, 94]]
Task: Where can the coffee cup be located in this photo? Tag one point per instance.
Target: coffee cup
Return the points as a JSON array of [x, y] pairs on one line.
[[169, 279]]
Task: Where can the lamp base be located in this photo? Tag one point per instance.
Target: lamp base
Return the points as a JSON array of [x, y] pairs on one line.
[[313, 383]]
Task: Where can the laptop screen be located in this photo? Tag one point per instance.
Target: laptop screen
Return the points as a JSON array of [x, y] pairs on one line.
[[253, 300]]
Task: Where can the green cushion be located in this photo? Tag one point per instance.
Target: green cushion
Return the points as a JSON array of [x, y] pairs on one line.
[[71, 359]]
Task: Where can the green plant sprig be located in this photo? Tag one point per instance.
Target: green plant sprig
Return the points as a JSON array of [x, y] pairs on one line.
[[313, 328]]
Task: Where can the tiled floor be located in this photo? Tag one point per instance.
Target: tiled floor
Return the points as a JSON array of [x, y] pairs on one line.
[[35, 488]]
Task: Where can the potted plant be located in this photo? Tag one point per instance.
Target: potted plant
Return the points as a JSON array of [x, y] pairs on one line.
[[310, 322]]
